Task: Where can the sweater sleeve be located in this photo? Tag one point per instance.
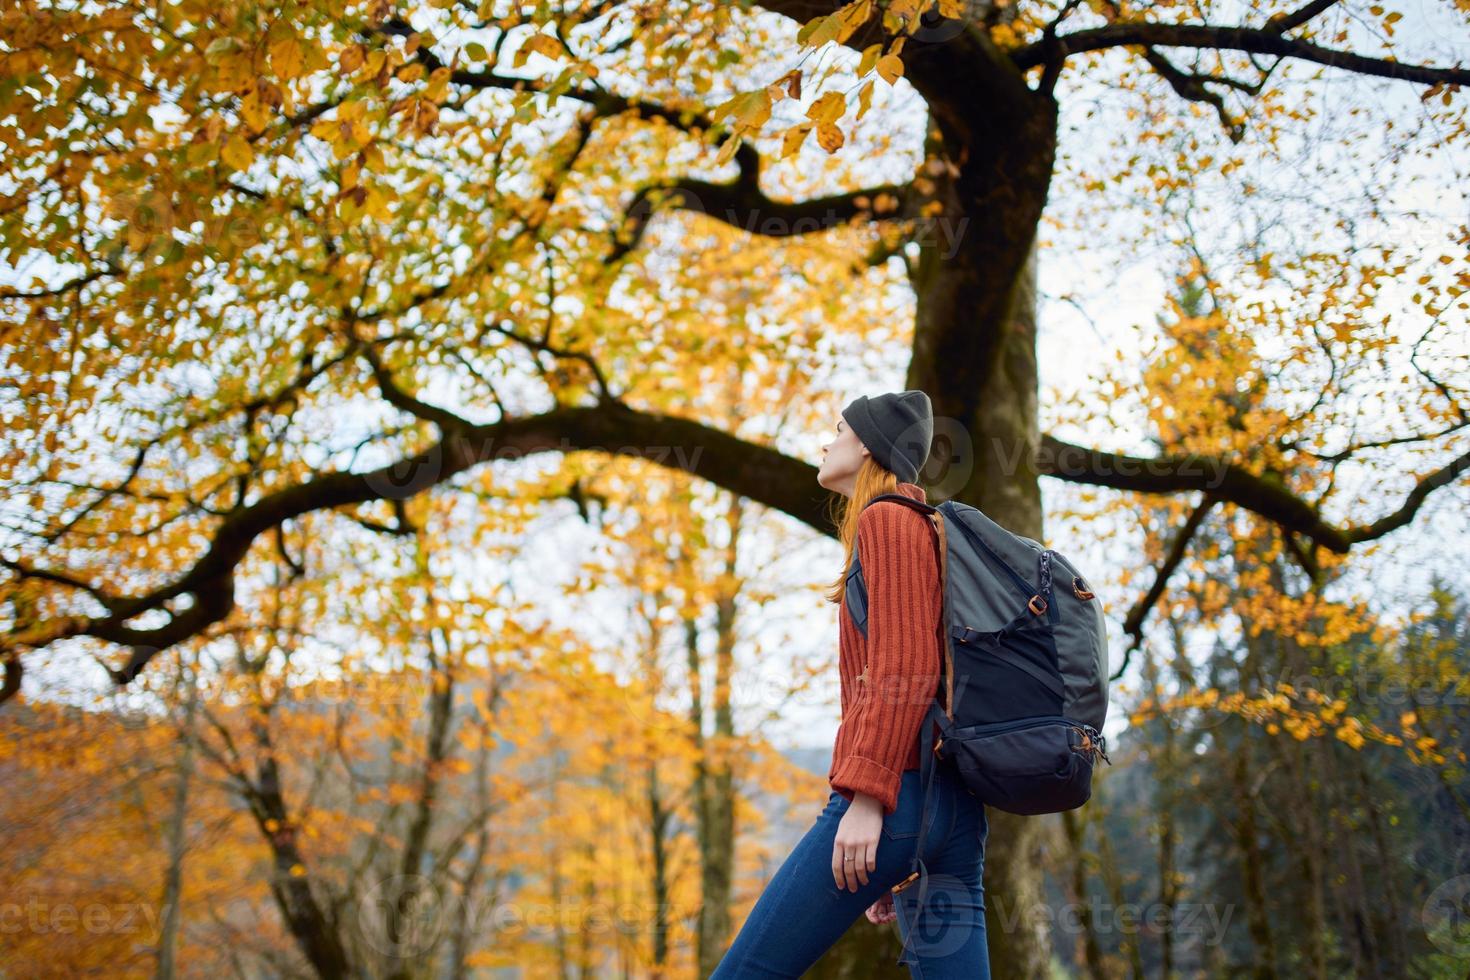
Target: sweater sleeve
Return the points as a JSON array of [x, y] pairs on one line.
[[902, 578]]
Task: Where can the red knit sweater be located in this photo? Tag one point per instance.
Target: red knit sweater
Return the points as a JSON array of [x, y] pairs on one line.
[[883, 706]]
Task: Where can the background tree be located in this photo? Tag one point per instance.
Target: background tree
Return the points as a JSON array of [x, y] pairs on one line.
[[1260, 816], [328, 258]]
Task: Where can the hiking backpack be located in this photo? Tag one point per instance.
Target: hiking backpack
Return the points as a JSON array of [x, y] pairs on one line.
[[1025, 671]]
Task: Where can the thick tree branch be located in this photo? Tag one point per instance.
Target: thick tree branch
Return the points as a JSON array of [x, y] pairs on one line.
[[743, 204], [757, 472], [1260, 494], [1254, 40]]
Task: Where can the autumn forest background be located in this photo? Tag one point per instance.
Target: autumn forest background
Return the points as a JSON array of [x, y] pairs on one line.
[[411, 555]]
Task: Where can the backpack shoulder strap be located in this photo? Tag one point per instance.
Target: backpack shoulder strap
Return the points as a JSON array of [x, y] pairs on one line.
[[917, 505], [936, 518]]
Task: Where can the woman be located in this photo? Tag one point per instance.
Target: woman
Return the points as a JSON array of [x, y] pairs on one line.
[[863, 843]]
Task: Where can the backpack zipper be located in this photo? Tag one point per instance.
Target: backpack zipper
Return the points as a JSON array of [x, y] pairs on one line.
[[1025, 723], [1098, 738]]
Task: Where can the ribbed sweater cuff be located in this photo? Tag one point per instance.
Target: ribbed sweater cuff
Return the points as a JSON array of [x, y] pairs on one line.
[[859, 774]]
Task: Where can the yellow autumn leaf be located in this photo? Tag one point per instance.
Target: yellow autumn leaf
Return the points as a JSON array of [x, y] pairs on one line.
[[540, 43], [890, 68], [750, 109], [237, 152], [793, 83], [285, 55], [829, 136], [793, 138], [438, 87], [899, 15], [827, 109], [234, 74], [376, 204], [547, 44], [728, 148], [255, 112], [351, 58], [837, 26]]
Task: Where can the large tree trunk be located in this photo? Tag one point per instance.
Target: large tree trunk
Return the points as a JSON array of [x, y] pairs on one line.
[[996, 472], [1007, 437], [987, 169]]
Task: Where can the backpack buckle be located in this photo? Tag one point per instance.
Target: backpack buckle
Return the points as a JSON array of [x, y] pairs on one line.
[[1080, 589], [936, 747], [1093, 743], [905, 883], [1032, 605]]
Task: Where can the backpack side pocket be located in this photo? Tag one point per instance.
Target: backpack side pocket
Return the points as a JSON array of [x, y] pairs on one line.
[[1029, 766]]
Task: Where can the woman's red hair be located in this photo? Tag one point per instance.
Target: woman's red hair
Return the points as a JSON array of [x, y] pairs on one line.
[[872, 479]]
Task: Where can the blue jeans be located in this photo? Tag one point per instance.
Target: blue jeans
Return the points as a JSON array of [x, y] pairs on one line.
[[802, 912]]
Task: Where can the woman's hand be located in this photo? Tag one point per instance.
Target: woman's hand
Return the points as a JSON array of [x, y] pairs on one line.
[[882, 910], [855, 848]]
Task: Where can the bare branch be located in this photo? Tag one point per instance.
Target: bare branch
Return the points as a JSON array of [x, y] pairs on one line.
[[1133, 623], [71, 285]]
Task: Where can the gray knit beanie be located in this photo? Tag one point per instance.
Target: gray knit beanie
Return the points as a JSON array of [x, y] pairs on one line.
[[897, 428]]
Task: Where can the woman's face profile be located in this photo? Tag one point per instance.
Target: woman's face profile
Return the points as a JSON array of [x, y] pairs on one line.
[[841, 459]]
